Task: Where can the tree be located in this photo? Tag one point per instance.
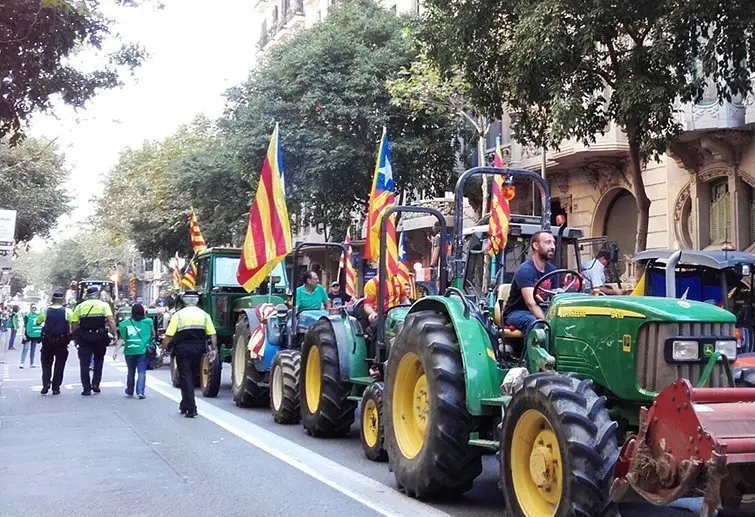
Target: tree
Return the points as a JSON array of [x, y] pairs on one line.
[[326, 87], [31, 182], [566, 69], [37, 38]]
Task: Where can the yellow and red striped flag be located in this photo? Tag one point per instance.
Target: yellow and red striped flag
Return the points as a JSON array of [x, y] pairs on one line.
[[268, 235], [405, 277], [347, 265], [382, 197], [197, 240], [189, 280], [176, 271], [500, 209]]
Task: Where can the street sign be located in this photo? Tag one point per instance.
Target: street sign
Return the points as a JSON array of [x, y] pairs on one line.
[[7, 228]]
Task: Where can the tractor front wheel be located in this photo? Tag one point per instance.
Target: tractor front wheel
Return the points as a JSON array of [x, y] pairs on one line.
[[284, 387], [427, 425], [248, 384], [372, 432], [209, 376], [558, 448], [325, 408]]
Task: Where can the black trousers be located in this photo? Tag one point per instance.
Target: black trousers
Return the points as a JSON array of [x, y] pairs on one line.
[[188, 359], [85, 356], [50, 355]]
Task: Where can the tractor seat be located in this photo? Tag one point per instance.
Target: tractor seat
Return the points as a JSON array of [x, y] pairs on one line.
[[512, 333]]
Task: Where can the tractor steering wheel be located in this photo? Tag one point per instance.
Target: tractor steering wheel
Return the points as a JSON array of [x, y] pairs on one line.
[[558, 290]]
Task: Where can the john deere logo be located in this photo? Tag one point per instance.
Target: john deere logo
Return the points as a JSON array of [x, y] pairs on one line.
[[708, 349]]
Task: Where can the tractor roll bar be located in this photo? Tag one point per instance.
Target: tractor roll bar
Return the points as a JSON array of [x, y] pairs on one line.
[[545, 199], [380, 338]]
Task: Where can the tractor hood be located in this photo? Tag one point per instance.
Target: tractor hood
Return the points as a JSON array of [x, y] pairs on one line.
[[643, 307]]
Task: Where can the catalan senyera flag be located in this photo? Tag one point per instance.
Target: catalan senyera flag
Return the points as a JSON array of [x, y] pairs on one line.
[[382, 197], [268, 235], [176, 271], [347, 265], [189, 279], [197, 241], [404, 275], [500, 209]]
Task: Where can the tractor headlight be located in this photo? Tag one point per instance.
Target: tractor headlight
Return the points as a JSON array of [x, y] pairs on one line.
[[685, 350], [728, 347]]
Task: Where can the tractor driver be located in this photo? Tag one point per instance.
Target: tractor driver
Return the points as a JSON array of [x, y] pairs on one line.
[[395, 294], [522, 310]]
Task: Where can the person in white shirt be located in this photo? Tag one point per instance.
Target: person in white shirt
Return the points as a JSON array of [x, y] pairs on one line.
[[595, 275]]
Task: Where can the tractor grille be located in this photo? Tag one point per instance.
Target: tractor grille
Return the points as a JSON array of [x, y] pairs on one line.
[[655, 374]]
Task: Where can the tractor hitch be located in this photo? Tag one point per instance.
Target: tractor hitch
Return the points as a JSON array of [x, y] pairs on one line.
[[691, 442]]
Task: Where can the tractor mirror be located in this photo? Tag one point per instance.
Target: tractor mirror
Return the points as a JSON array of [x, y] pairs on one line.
[[275, 280], [744, 269], [613, 249]]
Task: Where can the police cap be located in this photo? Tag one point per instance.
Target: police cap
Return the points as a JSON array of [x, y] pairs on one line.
[[92, 290]]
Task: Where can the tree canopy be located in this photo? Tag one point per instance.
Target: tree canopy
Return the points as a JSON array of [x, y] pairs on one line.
[[31, 182], [566, 69], [37, 40]]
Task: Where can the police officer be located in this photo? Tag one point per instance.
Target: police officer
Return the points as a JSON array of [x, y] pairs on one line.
[[187, 333], [90, 321]]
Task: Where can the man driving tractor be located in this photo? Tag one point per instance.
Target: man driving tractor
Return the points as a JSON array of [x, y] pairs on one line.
[[522, 310]]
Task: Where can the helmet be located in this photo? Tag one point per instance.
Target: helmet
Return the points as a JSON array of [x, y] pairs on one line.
[[190, 298]]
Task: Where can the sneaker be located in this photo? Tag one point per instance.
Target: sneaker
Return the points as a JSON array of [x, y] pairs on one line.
[[86, 393], [128, 393], [45, 390], [11, 348], [96, 389], [191, 414], [32, 366], [142, 396], [182, 410], [56, 392], [21, 366]]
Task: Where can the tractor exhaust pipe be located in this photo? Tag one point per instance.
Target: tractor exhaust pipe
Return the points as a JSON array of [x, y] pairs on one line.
[[671, 263]]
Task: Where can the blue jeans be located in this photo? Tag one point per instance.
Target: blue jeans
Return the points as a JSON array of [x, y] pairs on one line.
[[31, 344], [134, 363], [522, 320], [12, 337]]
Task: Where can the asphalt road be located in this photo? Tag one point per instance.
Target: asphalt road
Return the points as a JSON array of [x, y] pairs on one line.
[[109, 455]]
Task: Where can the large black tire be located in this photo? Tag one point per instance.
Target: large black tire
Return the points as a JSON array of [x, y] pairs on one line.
[[248, 385], [372, 431], [586, 442], [331, 413], [209, 376], [284, 387], [444, 464], [174, 378]]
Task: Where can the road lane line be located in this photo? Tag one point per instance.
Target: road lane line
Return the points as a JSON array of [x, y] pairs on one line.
[[377, 496]]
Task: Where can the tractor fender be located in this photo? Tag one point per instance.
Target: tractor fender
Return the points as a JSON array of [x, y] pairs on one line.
[[352, 351], [262, 364], [482, 376]]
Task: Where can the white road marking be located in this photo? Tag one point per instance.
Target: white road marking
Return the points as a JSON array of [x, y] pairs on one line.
[[381, 498]]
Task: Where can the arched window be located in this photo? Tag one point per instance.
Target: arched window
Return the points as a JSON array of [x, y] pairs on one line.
[[720, 213]]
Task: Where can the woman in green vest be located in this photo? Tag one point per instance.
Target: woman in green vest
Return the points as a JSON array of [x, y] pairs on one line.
[[136, 334], [32, 336]]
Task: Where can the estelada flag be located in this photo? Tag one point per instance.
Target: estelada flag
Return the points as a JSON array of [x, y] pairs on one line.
[[197, 240], [268, 235], [382, 197], [500, 209], [346, 264], [189, 280], [405, 277]]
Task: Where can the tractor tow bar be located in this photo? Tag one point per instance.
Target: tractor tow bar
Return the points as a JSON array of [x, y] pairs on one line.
[[691, 441]]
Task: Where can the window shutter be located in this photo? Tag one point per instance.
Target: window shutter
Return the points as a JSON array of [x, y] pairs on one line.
[[720, 224]]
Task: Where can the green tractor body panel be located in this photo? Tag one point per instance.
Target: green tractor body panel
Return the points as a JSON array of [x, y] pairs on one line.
[[600, 337], [393, 321], [483, 375], [352, 347]]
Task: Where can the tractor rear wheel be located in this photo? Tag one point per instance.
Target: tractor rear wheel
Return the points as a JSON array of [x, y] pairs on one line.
[[284, 387], [248, 384], [325, 408], [372, 432], [174, 377], [558, 448], [427, 425], [209, 376]]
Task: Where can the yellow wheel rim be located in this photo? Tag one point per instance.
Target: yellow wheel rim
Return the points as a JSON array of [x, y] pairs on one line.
[[411, 405], [370, 423], [536, 466], [312, 383], [205, 371], [276, 388], [239, 362]]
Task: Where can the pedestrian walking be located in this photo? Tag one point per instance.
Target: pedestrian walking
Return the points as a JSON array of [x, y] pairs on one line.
[[56, 334], [90, 321], [187, 334], [12, 325], [136, 334], [32, 336]]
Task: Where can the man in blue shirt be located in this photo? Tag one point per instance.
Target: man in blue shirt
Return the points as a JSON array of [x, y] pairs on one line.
[[522, 310]]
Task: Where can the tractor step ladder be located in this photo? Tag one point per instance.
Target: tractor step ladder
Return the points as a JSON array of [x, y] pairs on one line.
[[355, 398], [364, 381], [488, 445], [501, 401]]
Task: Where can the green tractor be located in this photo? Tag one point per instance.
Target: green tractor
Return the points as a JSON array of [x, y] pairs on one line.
[[343, 359], [271, 374], [221, 296]]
